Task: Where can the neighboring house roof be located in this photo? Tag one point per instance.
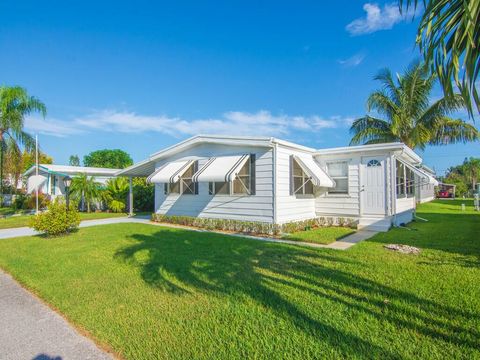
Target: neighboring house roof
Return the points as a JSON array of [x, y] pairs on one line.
[[72, 170], [147, 166]]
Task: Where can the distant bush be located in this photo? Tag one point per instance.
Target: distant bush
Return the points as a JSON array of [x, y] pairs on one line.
[[19, 202], [57, 220], [253, 227], [30, 201]]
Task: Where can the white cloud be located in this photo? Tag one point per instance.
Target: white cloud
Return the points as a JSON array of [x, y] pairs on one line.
[[230, 123], [352, 61], [52, 127], [377, 19]]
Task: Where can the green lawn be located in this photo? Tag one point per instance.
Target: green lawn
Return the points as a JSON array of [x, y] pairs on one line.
[[23, 220], [323, 235], [155, 292]]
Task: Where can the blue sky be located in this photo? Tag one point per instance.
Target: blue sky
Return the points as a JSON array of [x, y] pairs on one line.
[[142, 75]]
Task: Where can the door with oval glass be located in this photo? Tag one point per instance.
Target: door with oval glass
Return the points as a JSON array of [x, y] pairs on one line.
[[373, 187]]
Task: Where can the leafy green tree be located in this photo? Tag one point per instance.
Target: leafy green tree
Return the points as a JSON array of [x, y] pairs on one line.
[[74, 160], [115, 194], [28, 159], [461, 187], [85, 189], [408, 115], [114, 159], [471, 171], [15, 105], [449, 38], [143, 195]]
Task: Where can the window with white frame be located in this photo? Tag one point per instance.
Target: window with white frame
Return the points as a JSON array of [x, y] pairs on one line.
[[185, 184], [219, 188], [243, 184], [409, 182], [302, 184], [400, 179], [338, 171]]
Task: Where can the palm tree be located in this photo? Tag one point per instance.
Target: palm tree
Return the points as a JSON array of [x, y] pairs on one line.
[[449, 38], [471, 170], [408, 115], [15, 105], [85, 188]]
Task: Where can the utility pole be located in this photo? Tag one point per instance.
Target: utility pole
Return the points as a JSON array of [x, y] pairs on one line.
[[36, 174]]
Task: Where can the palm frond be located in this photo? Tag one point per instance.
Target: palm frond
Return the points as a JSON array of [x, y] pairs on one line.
[[448, 37], [451, 131], [380, 102], [369, 128], [385, 77]]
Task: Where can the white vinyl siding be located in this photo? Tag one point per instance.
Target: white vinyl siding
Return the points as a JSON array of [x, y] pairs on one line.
[[341, 204], [290, 207], [258, 207]]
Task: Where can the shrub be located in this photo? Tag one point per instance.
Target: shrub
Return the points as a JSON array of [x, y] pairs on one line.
[[253, 227], [19, 202], [116, 206], [57, 220], [30, 202], [143, 195]]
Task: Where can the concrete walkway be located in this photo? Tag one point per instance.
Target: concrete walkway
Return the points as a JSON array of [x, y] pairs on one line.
[[26, 231], [31, 330]]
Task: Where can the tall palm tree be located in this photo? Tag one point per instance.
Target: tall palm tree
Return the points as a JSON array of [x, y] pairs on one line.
[[85, 188], [408, 115], [15, 105], [449, 38]]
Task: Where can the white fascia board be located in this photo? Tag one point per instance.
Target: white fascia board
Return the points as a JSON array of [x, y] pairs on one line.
[[397, 146]]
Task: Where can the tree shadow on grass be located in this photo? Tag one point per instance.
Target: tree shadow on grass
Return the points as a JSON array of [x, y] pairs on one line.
[[457, 234], [182, 261]]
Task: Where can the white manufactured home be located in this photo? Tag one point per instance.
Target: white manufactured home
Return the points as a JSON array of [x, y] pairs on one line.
[[270, 180], [49, 180]]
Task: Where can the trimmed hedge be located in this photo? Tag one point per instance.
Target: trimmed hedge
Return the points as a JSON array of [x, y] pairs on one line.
[[253, 227]]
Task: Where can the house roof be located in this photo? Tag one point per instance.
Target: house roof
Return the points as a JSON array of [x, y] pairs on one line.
[[72, 170], [397, 146], [147, 166]]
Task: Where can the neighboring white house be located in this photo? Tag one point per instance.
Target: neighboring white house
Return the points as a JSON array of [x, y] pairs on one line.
[[424, 191], [270, 180], [50, 177]]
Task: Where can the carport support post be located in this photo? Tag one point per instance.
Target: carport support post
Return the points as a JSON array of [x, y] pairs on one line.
[[130, 197]]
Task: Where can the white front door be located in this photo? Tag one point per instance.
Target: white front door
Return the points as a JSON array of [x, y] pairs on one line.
[[372, 186]]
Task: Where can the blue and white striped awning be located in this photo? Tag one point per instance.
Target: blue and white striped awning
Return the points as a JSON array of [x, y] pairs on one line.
[[170, 172], [221, 169]]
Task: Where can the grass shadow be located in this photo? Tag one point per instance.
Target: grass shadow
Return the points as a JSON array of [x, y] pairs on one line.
[[182, 261]]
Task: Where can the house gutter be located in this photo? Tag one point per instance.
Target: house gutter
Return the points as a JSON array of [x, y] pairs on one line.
[[274, 184]]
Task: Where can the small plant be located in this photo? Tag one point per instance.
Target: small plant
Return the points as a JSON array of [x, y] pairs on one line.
[[57, 220]]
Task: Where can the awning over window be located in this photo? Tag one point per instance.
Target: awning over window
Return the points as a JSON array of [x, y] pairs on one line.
[[315, 172], [35, 182], [426, 178], [220, 169], [170, 172]]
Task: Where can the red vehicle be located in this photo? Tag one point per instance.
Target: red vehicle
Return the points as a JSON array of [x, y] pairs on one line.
[[444, 194]]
